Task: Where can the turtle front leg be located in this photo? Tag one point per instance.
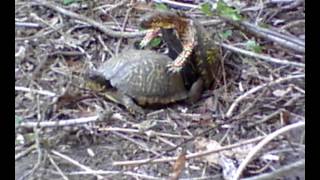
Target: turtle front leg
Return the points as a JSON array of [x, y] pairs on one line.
[[180, 61], [151, 34], [126, 101], [132, 107], [189, 43]]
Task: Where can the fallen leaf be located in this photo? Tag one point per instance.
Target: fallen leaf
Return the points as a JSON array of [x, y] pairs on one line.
[[279, 92], [178, 167], [227, 159], [203, 144]]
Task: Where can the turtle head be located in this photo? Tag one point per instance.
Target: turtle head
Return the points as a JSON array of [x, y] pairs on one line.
[[95, 80], [158, 20]]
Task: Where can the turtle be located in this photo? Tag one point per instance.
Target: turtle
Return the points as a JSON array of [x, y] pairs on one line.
[[137, 78], [198, 45], [157, 20]]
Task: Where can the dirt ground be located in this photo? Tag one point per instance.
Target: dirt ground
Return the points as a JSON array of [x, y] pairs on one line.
[[255, 113]]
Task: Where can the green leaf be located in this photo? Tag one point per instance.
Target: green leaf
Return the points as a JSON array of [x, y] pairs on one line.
[[155, 42], [161, 6], [226, 34], [254, 46], [206, 8], [18, 120], [225, 11], [68, 2], [29, 137]]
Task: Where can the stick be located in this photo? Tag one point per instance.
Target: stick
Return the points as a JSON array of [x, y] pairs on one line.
[[265, 141]]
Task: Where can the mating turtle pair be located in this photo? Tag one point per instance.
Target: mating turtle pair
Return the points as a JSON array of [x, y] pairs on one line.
[[149, 77]]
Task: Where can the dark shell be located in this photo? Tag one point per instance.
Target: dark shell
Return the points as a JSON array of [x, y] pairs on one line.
[[142, 75]]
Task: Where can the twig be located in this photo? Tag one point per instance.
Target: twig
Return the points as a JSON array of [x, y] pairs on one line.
[[105, 47], [265, 141], [184, 5], [76, 163], [143, 176], [154, 133], [128, 173], [127, 130], [261, 4], [166, 141], [261, 56], [193, 155], [279, 1], [27, 24], [25, 152], [257, 88], [293, 5], [184, 142], [143, 146], [39, 157], [281, 39], [42, 92], [59, 123], [273, 114], [112, 6], [148, 132], [211, 151], [250, 105], [292, 23], [92, 22], [124, 24], [39, 34], [57, 167], [211, 22], [288, 169]]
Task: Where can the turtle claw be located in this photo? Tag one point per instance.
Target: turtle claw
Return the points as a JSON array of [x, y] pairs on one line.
[[135, 110], [172, 68], [131, 106], [144, 43]]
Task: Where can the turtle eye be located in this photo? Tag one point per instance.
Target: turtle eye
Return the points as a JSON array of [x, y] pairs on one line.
[[145, 24]]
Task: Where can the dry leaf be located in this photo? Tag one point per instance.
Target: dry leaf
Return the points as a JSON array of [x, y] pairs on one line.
[[285, 116], [270, 157], [279, 92], [203, 144], [224, 158], [178, 167]]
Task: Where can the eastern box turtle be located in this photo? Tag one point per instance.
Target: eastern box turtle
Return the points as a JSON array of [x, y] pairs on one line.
[[198, 45], [141, 75]]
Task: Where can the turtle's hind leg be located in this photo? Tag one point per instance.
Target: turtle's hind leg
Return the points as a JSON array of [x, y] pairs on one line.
[[195, 91]]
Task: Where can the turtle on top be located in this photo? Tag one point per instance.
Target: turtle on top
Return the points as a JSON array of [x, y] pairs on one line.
[[141, 77], [198, 45], [170, 20]]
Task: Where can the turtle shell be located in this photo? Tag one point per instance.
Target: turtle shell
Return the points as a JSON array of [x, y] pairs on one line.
[[142, 75]]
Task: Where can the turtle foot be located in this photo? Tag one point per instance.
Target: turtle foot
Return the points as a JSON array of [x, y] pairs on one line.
[[172, 68]]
